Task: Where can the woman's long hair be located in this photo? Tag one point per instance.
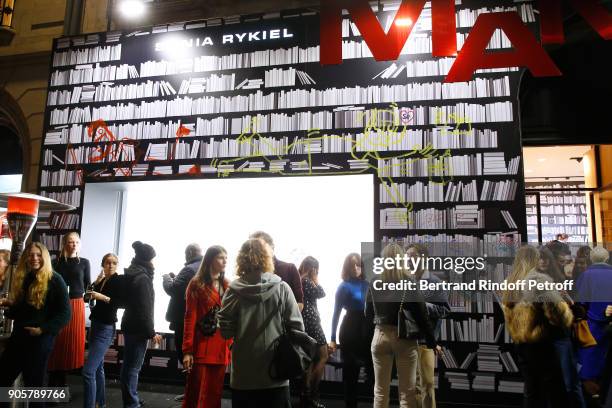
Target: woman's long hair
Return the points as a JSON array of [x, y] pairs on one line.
[[38, 290], [309, 267], [393, 274], [254, 256], [64, 254], [203, 277], [348, 267], [525, 261]]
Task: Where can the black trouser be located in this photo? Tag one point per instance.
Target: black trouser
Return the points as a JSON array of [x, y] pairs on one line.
[[178, 340], [266, 398], [26, 355], [544, 386], [355, 341]]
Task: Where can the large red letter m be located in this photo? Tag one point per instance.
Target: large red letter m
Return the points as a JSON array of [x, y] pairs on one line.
[[385, 46]]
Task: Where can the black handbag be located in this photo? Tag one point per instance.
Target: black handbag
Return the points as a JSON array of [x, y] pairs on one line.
[[407, 327], [293, 352], [208, 324]]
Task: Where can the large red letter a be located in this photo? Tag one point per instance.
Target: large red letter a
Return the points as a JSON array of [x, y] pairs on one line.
[[527, 52]]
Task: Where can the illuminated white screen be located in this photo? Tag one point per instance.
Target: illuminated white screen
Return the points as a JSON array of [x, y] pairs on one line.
[[325, 217]]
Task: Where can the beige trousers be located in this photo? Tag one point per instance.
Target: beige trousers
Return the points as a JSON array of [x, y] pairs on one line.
[[386, 347], [426, 392]]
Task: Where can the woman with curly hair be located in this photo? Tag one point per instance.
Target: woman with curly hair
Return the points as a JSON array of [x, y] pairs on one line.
[[205, 352], [253, 312], [38, 304]]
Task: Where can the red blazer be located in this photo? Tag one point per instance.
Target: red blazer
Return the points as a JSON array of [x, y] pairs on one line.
[[205, 349]]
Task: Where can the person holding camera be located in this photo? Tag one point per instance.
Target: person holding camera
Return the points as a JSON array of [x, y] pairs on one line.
[[205, 352], [137, 323], [104, 297]]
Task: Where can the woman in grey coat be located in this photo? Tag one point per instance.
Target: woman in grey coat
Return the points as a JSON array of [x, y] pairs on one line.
[[252, 313]]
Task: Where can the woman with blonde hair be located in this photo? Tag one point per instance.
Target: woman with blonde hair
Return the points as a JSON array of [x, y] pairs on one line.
[[69, 349], [383, 308], [254, 310], [38, 304], [5, 259], [536, 318], [205, 352]]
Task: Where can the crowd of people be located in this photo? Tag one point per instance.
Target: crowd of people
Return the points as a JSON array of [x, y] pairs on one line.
[[219, 322]]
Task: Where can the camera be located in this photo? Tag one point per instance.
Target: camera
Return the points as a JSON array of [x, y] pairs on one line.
[[89, 298]]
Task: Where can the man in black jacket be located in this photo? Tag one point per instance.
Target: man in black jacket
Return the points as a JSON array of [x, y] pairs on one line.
[[285, 270], [175, 286], [138, 322]]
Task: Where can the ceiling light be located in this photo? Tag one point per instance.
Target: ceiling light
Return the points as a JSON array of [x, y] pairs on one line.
[[403, 22], [132, 8]]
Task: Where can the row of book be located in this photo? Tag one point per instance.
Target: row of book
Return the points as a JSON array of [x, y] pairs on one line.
[[458, 217], [556, 198], [508, 219], [495, 244], [300, 98], [108, 91], [504, 190], [432, 192], [471, 330], [60, 221], [419, 43], [482, 382], [51, 241], [558, 219], [479, 302], [88, 73], [565, 229], [426, 68], [76, 56], [60, 178], [442, 165], [121, 152], [70, 197], [563, 209]]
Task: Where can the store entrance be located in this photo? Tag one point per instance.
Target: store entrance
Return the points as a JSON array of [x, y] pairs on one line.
[[566, 192]]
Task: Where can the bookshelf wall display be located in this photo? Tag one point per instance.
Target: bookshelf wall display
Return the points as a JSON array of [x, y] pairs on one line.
[[248, 97], [559, 211]]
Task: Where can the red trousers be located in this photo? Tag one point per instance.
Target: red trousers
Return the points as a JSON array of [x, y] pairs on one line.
[[204, 386]]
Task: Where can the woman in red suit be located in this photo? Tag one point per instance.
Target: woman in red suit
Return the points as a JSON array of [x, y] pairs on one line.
[[206, 353]]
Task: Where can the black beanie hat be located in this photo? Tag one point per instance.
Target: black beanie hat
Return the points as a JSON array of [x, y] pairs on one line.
[[144, 252]]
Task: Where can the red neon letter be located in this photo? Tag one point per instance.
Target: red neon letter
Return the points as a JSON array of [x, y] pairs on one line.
[[527, 52], [385, 47], [444, 28], [551, 19]]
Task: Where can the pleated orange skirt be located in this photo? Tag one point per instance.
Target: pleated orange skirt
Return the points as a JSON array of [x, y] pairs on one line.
[[69, 349]]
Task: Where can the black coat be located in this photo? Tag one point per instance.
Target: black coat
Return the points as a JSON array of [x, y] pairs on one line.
[[138, 319], [176, 288]]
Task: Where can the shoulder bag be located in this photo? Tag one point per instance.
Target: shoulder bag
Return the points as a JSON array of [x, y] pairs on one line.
[[209, 323], [407, 327], [293, 351]]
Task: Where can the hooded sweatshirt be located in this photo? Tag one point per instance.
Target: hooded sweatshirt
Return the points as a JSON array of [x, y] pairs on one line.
[[250, 315], [140, 299]]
